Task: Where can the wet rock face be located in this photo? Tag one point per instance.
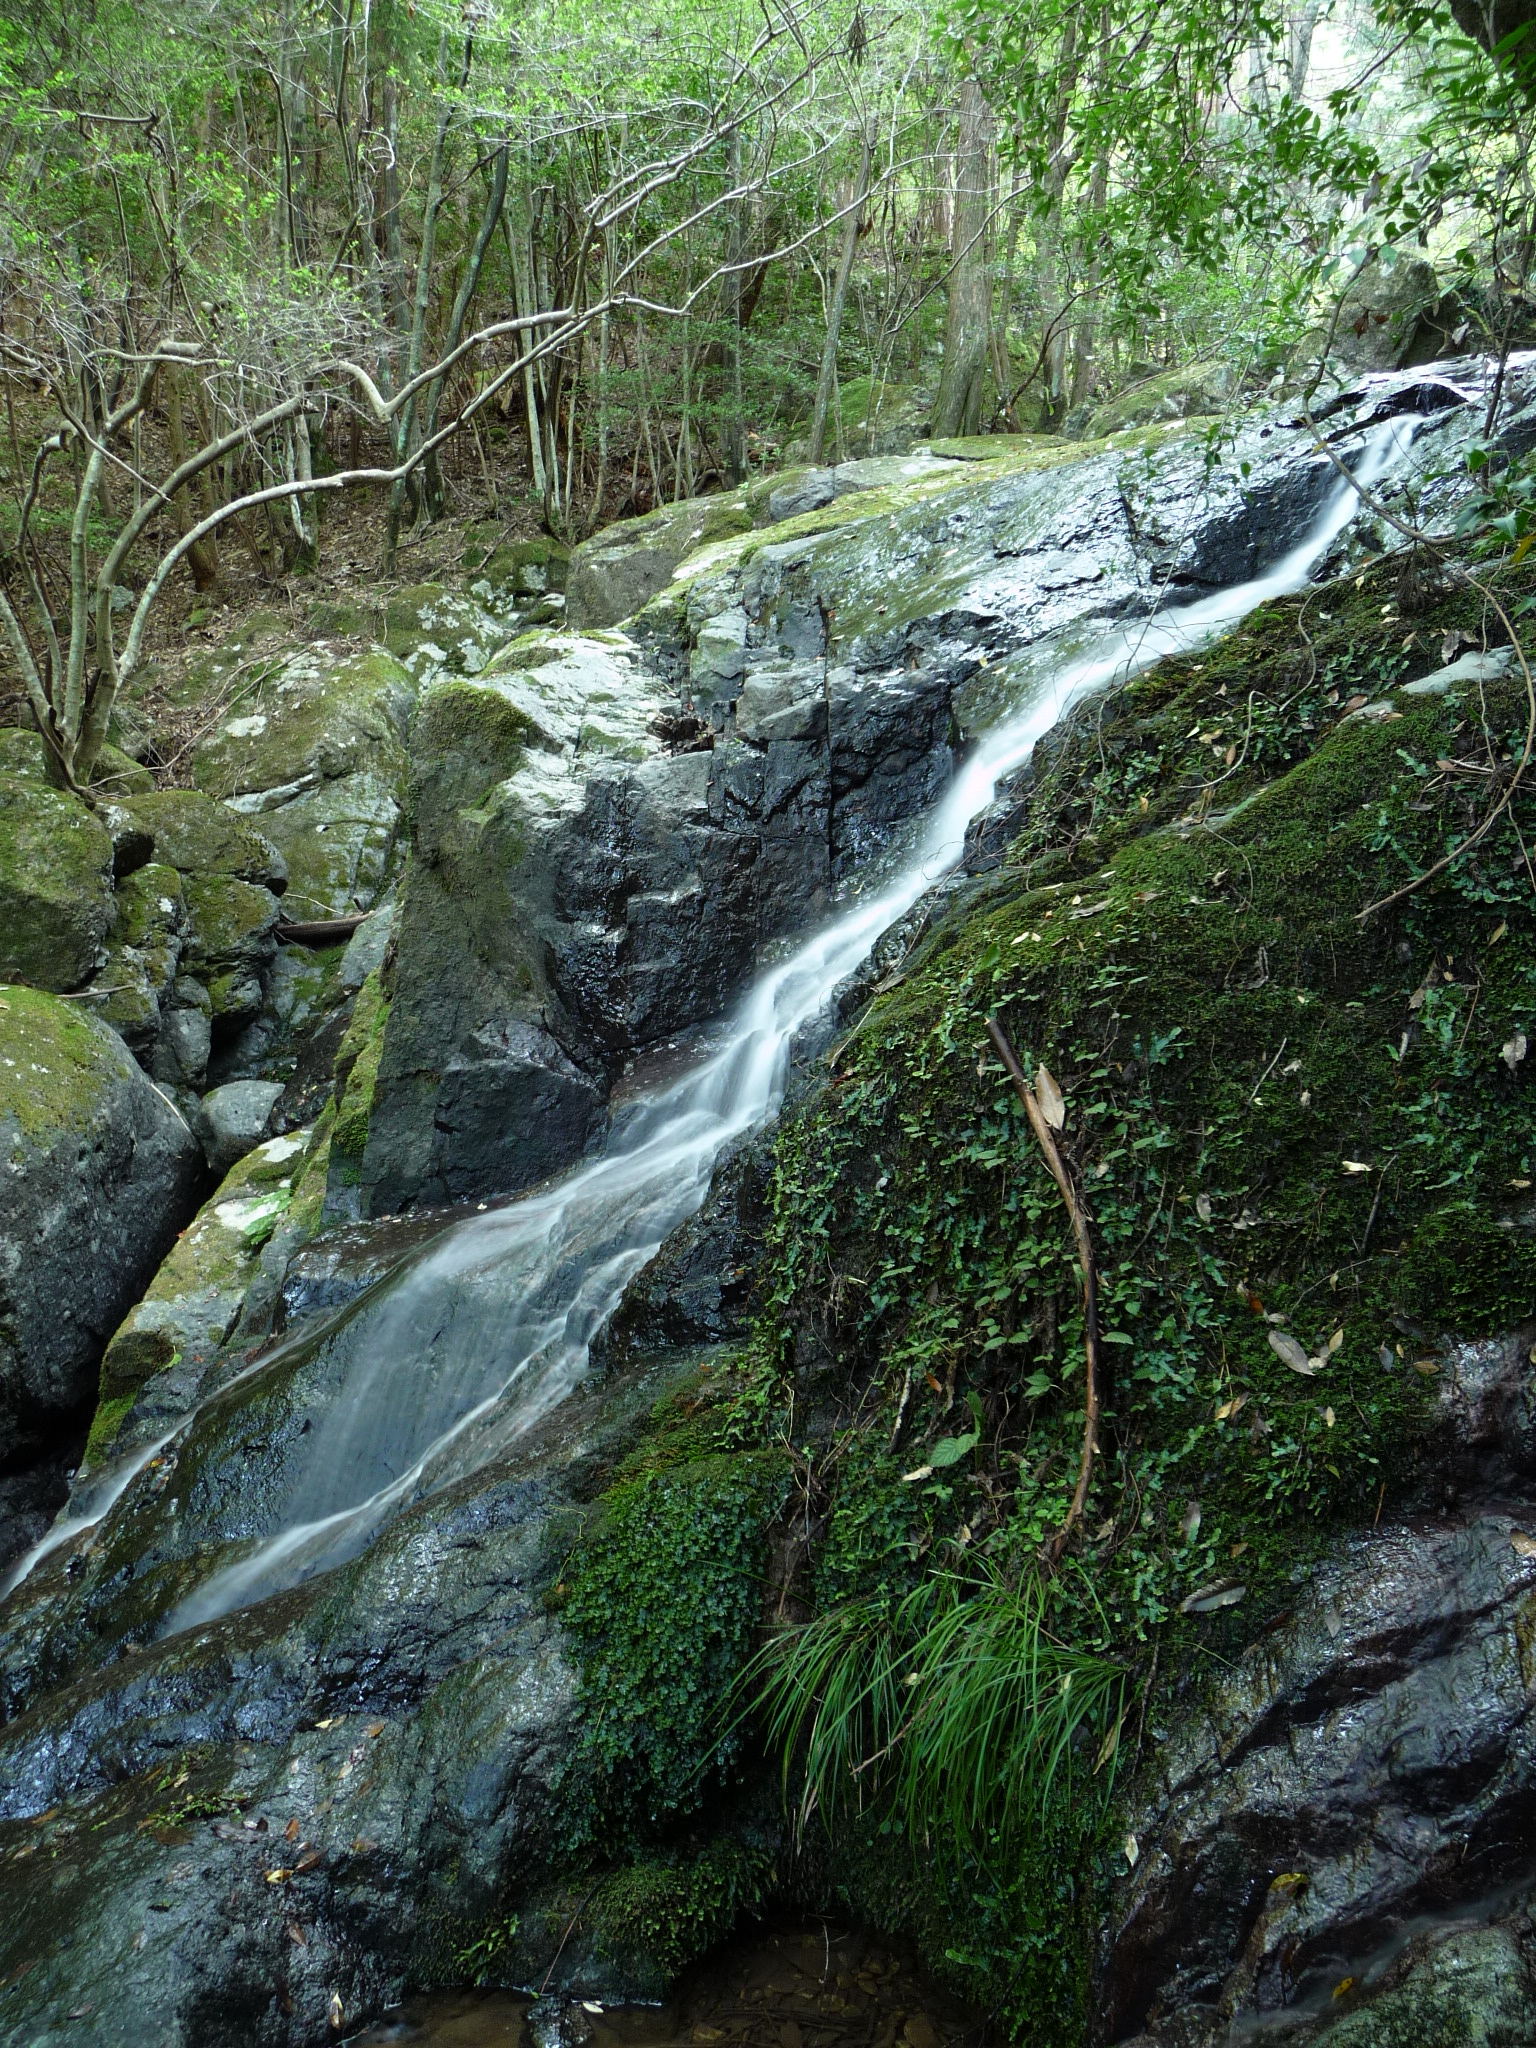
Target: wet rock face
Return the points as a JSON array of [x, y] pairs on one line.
[[101, 1172], [1365, 1768], [374, 1760]]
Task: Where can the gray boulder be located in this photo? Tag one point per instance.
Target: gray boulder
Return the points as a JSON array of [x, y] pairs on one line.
[[101, 1171], [234, 1119]]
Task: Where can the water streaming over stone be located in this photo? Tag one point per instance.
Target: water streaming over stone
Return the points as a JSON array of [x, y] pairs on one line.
[[452, 1357]]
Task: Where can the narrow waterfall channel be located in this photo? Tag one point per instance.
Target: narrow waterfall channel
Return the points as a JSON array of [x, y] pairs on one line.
[[445, 1362]]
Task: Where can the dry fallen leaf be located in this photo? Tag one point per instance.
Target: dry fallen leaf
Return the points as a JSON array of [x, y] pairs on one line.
[[1233, 1407], [1236, 1551], [1290, 1353], [1514, 1050], [278, 1876], [1427, 1366], [1203, 1208], [291, 1832], [374, 1728], [297, 1935], [1521, 1544], [337, 2015], [1132, 1850], [1053, 1106], [1210, 1599], [1191, 1522], [1358, 1166], [1328, 1417], [920, 1472], [1335, 1340]]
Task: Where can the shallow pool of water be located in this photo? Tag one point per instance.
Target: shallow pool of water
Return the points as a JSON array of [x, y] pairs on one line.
[[816, 1986]]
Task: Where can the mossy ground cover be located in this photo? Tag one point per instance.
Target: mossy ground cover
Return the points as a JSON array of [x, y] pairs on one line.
[[1297, 1129]]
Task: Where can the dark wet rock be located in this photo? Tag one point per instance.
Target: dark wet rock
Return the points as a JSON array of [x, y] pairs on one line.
[[346, 1259], [1374, 1751], [32, 1496], [101, 1173], [375, 1759], [699, 1288]]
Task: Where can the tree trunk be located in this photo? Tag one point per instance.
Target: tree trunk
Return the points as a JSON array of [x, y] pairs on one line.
[[839, 299], [201, 559], [968, 322]]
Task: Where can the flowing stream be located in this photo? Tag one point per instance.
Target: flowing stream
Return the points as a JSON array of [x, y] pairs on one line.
[[453, 1356]]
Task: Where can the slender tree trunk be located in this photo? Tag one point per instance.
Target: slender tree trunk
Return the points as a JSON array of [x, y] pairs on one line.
[[968, 321], [839, 299], [736, 426], [200, 559]]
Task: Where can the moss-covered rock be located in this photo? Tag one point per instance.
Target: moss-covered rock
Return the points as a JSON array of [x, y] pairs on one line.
[[357, 1073], [198, 836], [194, 1304], [115, 775], [230, 942], [512, 571], [99, 1172], [436, 631], [338, 842], [1188, 391], [316, 716], [616, 572], [148, 932], [55, 886]]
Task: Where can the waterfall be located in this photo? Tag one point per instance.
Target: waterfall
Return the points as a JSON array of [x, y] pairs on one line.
[[448, 1360]]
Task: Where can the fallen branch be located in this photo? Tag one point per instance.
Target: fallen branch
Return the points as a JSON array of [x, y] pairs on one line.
[[1079, 1215], [320, 931]]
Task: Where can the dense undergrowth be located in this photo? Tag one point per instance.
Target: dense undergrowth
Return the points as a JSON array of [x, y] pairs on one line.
[[1304, 1141]]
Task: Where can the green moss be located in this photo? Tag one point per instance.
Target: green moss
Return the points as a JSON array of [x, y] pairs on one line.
[[662, 1597], [198, 836], [108, 1420], [55, 886], [54, 1065], [357, 1073], [661, 1594], [659, 1915], [313, 715]]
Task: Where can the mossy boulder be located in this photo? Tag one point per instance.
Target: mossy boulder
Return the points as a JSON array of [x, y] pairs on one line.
[[149, 923], [55, 886], [315, 717], [620, 569], [338, 842], [116, 775], [1188, 391], [196, 1301], [99, 1173], [512, 572], [198, 836], [434, 631]]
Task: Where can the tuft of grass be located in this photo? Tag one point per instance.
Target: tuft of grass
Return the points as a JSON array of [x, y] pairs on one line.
[[954, 1707]]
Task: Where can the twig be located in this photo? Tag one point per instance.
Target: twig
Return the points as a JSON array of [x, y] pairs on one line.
[[1078, 1214]]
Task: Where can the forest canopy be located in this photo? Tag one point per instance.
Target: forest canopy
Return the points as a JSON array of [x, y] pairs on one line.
[[602, 260]]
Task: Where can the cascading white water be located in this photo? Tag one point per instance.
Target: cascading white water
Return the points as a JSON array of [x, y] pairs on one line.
[[469, 1345]]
